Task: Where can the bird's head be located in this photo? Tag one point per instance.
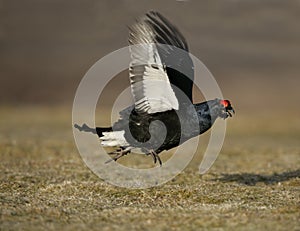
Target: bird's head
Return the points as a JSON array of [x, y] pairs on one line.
[[226, 108]]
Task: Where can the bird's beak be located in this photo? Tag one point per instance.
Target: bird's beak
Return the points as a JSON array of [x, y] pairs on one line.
[[230, 111]]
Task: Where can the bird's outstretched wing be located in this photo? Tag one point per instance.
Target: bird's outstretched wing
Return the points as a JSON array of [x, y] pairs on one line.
[[150, 74]]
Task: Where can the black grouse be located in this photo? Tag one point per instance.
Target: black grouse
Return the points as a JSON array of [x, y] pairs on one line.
[[161, 93]]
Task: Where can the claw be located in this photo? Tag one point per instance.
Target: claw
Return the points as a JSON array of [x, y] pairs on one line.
[[115, 151], [159, 160], [120, 152], [155, 157]]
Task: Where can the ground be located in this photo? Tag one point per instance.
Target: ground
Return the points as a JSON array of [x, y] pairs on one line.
[[253, 185]]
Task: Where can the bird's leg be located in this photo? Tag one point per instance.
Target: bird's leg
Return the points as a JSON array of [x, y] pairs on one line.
[[155, 157], [115, 151], [119, 153]]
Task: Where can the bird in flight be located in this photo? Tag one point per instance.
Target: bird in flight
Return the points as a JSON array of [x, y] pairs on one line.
[[160, 93]]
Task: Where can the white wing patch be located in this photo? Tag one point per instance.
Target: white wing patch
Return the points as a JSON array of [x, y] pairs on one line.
[[150, 84]]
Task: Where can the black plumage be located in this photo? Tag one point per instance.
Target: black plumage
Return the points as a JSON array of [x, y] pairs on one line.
[[161, 93]]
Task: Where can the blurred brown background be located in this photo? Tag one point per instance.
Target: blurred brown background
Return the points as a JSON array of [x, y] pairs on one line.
[[252, 47]]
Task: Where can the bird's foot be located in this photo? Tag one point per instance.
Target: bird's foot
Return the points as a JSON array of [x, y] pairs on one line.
[[118, 154], [155, 157]]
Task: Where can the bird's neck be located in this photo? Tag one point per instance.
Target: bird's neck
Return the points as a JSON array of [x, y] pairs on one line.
[[197, 118], [207, 114]]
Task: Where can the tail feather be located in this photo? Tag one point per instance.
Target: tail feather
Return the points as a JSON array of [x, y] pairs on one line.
[[113, 138], [85, 128], [100, 130], [108, 137]]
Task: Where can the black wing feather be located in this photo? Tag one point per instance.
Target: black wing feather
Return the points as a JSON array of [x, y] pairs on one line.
[[179, 65]]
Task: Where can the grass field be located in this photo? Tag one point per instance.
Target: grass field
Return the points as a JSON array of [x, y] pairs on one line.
[[253, 185]]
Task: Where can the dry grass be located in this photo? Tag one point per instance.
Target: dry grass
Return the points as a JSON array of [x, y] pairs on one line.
[[254, 184]]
